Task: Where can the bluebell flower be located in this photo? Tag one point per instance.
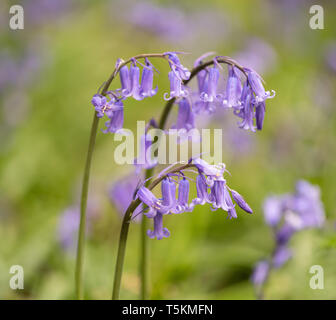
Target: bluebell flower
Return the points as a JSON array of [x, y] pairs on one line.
[[116, 121], [240, 201], [233, 89], [255, 81], [134, 78], [146, 88], [185, 116], [177, 68], [177, 89], [202, 191], [183, 196], [159, 231], [210, 89]]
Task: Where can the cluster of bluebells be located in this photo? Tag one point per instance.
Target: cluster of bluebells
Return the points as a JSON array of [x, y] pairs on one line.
[[211, 188], [246, 99], [286, 215]]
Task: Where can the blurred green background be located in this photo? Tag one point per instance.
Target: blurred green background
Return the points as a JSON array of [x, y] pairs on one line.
[[45, 117]]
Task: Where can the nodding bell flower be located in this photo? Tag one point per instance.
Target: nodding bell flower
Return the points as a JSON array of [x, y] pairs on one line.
[[260, 114], [116, 120], [233, 89], [218, 196], [183, 197], [177, 89], [168, 190], [177, 68], [247, 112], [146, 88], [185, 116], [240, 201], [207, 179], [258, 89], [134, 86], [159, 232], [202, 191], [125, 79], [210, 90]]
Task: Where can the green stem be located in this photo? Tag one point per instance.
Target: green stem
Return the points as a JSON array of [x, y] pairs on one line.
[[81, 232]]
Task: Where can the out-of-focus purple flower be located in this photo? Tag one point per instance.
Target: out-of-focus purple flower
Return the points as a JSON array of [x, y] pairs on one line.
[[281, 255], [185, 117], [177, 89], [288, 214], [273, 210], [330, 56], [257, 55], [69, 223], [121, 194], [145, 160], [260, 273]]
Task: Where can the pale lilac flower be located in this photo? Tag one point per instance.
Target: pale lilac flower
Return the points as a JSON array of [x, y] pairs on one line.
[[273, 209]]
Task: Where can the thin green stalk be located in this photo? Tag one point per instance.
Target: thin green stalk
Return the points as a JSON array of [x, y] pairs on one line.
[[81, 232]]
